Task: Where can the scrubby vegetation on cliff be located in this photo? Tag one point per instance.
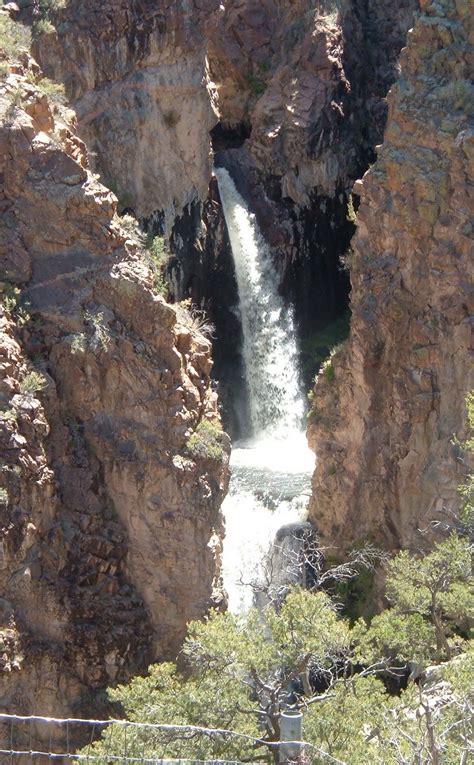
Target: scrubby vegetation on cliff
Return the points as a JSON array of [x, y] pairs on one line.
[[16, 38], [205, 443], [13, 37], [88, 351], [384, 415]]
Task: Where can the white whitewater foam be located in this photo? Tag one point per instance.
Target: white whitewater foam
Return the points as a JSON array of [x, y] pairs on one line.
[[291, 455], [269, 489]]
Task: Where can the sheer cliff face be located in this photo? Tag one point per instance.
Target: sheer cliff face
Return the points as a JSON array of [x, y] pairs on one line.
[[108, 525], [149, 80], [386, 409], [136, 74]]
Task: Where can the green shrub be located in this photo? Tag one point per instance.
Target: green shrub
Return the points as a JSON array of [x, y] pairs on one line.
[[328, 370], [158, 254], [153, 248], [130, 224], [156, 249], [256, 85], [32, 383], [8, 415], [3, 497], [23, 315], [48, 8], [44, 24], [430, 596], [242, 670], [223, 655], [466, 490], [194, 319], [13, 37], [100, 333], [19, 308], [53, 90], [9, 296], [78, 343], [206, 442], [42, 27], [318, 345], [351, 213], [354, 593]]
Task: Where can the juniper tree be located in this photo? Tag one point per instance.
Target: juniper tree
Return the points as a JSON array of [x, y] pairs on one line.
[[430, 595]]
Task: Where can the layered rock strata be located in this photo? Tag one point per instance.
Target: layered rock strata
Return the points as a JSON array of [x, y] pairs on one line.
[[389, 403], [108, 518]]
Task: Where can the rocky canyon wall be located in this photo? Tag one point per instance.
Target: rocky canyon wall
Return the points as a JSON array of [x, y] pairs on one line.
[[135, 71], [293, 94], [108, 515], [110, 519], [389, 403], [291, 81]]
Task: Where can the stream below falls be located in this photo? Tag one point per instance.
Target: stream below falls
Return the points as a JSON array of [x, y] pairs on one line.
[[272, 467]]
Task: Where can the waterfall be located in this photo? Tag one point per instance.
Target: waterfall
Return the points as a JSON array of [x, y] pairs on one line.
[[269, 349], [272, 467]]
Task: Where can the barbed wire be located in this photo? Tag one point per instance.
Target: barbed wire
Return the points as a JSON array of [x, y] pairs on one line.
[[114, 758], [111, 758], [168, 727]]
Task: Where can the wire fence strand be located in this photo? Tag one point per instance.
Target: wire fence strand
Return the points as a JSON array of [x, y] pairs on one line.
[[99, 726], [113, 758]]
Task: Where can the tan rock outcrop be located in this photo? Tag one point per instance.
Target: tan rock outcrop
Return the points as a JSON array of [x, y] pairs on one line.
[[135, 72], [148, 82], [388, 404], [109, 523]]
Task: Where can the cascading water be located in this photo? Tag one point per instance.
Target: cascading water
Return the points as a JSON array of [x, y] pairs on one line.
[[271, 470]]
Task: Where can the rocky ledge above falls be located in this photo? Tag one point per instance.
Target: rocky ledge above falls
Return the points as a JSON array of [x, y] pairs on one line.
[[304, 86], [388, 404], [109, 521]]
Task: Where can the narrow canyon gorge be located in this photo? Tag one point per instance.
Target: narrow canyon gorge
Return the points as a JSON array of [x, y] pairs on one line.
[[304, 171]]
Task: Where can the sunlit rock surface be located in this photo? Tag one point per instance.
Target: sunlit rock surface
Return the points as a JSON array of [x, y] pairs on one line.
[[386, 410], [109, 525]]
